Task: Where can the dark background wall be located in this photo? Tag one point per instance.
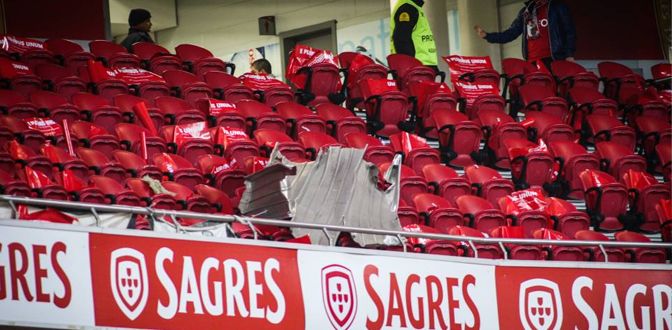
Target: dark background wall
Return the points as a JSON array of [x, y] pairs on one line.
[[71, 19], [616, 29]]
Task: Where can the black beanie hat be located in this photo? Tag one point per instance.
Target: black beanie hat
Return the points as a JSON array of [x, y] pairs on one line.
[[137, 16]]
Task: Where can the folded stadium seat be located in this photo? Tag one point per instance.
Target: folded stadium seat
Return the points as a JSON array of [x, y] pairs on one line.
[[407, 214], [34, 57], [482, 215], [340, 121], [186, 197], [641, 255], [155, 58], [531, 164], [664, 153], [91, 136], [24, 156], [41, 184], [101, 164], [407, 69], [606, 200], [63, 160], [300, 119], [517, 251], [108, 88], [459, 137], [616, 158], [150, 90], [70, 54], [79, 188], [662, 74], [614, 254], [585, 101], [485, 251], [650, 132], [189, 141], [376, 152], [429, 246], [546, 126], [11, 184], [620, 82], [115, 191], [559, 252], [316, 141], [428, 97], [437, 212], [415, 151], [160, 201], [16, 104], [358, 67], [222, 175], [178, 111], [135, 165], [16, 128], [227, 87], [570, 74], [98, 110], [126, 104], [259, 115], [410, 184], [544, 99], [275, 95], [177, 169], [19, 77], [573, 159], [386, 107], [60, 79], [488, 183], [187, 86], [646, 107], [664, 212], [645, 192], [268, 139], [498, 126], [55, 106], [526, 209], [513, 71], [445, 182], [221, 113], [322, 84], [234, 144], [217, 198], [200, 60], [607, 128], [113, 55], [130, 138]]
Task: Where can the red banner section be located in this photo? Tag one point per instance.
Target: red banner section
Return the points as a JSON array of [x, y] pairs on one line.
[[572, 298], [179, 284], [60, 277]]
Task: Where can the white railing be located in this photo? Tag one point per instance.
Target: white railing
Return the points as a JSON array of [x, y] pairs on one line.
[[95, 209]]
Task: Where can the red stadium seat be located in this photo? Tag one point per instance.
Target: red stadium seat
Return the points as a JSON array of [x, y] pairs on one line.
[[178, 111], [410, 184], [438, 212], [187, 85], [566, 218], [55, 106], [517, 251], [135, 165], [641, 255], [458, 137], [376, 152], [115, 191], [340, 121], [570, 74], [300, 119], [645, 192], [482, 215], [130, 137], [485, 251], [606, 200], [614, 254], [531, 165], [559, 252], [573, 159], [156, 58], [445, 182], [416, 152], [616, 158], [407, 69], [113, 55], [98, 110], [101, 164], [259, 115], [488, 183], [316, 141], [94, 137], [606, 128], [217, 198], [550, 128], [200, 60], [227, 87], [268, 139], [177, 169], [60, 79], [69, 53], [542, 98], [16, 104]]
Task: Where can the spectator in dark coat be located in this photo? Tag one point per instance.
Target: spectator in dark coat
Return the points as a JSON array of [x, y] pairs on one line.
[[140, 24]]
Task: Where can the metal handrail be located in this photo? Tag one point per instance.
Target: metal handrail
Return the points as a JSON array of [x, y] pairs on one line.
[[325, 228]]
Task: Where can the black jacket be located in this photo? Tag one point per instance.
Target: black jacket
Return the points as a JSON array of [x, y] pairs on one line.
[[560, 28], [135, 36]]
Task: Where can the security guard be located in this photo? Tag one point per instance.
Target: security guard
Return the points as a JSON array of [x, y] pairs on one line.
[[411, 34]]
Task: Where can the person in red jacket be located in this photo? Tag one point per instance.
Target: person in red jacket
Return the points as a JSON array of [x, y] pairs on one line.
[[548, 28]]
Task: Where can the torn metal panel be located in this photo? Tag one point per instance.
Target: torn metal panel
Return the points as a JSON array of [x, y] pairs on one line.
[[338, 188]]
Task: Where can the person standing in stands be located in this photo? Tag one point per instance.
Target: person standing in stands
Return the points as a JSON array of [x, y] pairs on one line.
[[548, 28], [140, 24], [411, 33]]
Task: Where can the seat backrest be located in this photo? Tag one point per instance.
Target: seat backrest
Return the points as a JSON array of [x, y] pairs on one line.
[[189, 52], [563, 69], [62, 47], [661, 71], [46, 99], [219, 79], [530, 93], [92, 157], [470, 204], [360, 140], [216, 197], [612, 70], [179, 77], [89, 101], [292, 110], [515, 66], [438, 172], [402, 63], [181, 191], [269, 137], [171, 104], [481, 174], [425, 202], [105, 48], [316, 140], [130, 132], [252, 108], [126, 102], [590, 235], [52, 72], [9, 97], [106, 185], [147, 50]]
